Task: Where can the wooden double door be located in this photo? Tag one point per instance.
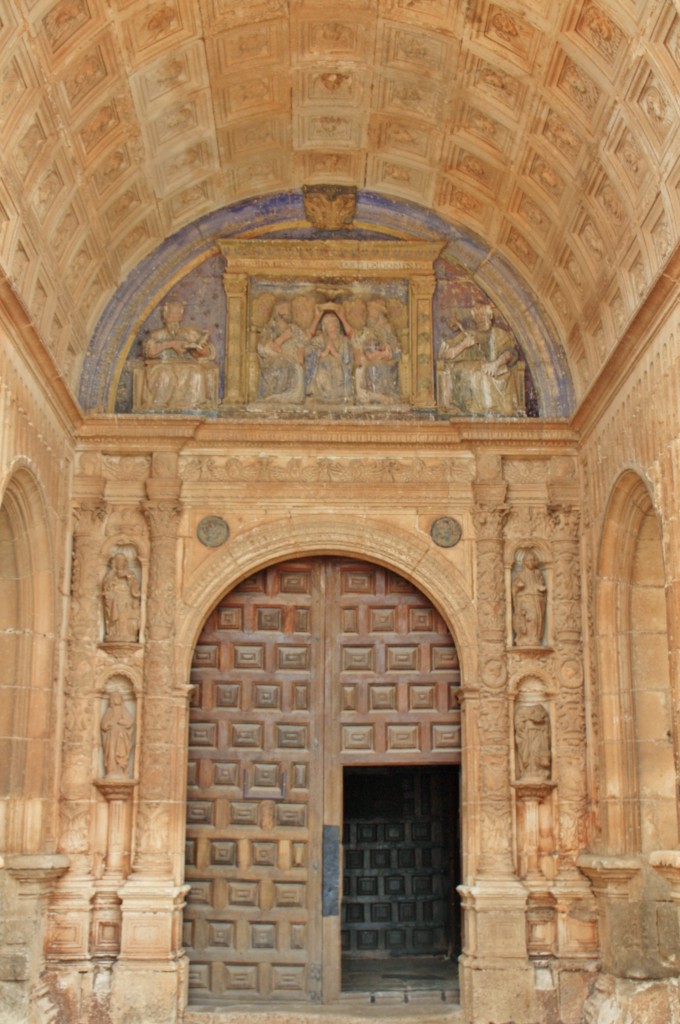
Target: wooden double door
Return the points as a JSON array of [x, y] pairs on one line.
[[306, 670]]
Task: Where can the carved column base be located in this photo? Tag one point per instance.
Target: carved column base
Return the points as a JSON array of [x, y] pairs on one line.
[[541, 924], [106, 923], [150, 993], [497, 981], [69, 919], [151, 921], [495, 923]]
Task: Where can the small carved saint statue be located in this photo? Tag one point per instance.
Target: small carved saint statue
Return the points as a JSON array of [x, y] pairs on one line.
[[532, 742], [122, 598], [529, 598], [116, 729]]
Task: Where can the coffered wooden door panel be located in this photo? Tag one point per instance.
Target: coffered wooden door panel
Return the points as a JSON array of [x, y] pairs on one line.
[[303, 668]]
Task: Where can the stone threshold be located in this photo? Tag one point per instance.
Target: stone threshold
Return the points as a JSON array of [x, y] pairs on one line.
[[388, 1007]]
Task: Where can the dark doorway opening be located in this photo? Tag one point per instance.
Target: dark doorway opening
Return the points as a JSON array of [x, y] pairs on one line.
[[400, 913]]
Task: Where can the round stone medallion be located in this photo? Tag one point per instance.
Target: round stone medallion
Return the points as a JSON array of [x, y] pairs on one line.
[[212, 531], [446, 532]]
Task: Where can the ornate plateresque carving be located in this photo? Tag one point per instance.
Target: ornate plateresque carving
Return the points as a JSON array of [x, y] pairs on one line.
[[330, 207]]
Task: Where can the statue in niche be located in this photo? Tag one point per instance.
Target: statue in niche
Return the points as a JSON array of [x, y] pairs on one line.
[[116, 731], [122, 599], [532, 742], [479, 372], [529, 599], [281, 351], [179, 372]]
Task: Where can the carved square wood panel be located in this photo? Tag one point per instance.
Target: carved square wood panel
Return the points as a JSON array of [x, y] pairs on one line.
[[288, 978], [382, 620], [269, 619], [248, 656], [383, 698], [225, 773], [221, 934], [402, 659], [295, 583], [247, 734], [358, 659], [223, 852], [230, 618], [293, 659], [227, 695]]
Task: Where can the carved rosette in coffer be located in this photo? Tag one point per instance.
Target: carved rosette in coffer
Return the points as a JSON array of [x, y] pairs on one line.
[[329, 324]]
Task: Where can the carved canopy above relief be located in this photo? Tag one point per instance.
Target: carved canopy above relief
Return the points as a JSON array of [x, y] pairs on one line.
[[334, 325]]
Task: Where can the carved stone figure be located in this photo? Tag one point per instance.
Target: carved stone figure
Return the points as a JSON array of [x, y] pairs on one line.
[[529, 598], [280, 351], [122, 596], [479, 373], [378, 354], [116, 731], [329, 363], [179, 372], [532, 742]]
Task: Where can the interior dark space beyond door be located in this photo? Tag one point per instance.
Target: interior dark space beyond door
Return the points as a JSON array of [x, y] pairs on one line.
[[400, 870]]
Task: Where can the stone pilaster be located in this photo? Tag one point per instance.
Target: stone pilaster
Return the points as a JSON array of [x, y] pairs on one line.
[[71, 904], [496, 977], [495, 851], [577, 936], [151, 899]]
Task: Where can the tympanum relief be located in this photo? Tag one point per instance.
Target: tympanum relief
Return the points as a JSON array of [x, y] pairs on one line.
[[330, 326]]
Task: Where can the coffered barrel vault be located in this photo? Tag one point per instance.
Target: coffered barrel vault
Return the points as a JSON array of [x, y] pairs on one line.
[[545, 129], [339, 515]]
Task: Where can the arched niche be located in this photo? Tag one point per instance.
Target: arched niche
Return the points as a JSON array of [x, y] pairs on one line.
[[636, 740], [26, 654]]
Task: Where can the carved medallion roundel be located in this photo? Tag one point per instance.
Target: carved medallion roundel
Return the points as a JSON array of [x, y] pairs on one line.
[[446, 532], [212, 531]]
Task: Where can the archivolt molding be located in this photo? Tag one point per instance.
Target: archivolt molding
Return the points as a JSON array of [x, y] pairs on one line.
[[410, 556]]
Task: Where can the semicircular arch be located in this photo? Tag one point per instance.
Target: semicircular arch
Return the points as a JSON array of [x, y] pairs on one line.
[[409, 556]]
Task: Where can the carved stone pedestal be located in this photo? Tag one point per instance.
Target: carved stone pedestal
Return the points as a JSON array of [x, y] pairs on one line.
[[497, 980], [151, 975], [615, 880]]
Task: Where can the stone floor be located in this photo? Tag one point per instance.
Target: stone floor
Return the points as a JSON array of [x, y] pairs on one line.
[[418, 990]]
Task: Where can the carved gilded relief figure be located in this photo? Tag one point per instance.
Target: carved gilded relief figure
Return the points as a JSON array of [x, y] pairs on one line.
[[479, 372], [179, 373]]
